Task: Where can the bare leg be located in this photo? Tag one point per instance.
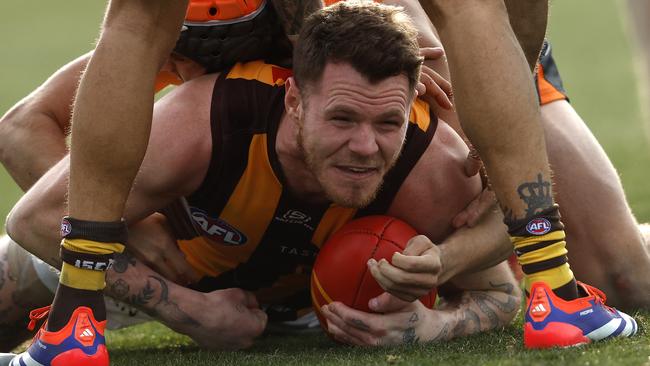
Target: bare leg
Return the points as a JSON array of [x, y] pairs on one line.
[[528, 19], [427, 37], [112, 113], [506, 125], [111, 123], [498, 110], [605, 244]]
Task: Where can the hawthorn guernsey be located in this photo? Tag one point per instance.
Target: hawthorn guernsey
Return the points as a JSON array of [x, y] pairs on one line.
[[218, 230]]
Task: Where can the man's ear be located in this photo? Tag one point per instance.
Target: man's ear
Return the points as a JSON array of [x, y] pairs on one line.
[[186, 68], [292, 99]]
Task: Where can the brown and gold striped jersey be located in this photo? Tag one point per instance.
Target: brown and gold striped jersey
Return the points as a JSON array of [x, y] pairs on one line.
[[242, 227]]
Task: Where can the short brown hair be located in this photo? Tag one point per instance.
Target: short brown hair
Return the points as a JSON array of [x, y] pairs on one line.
[[378, 41]]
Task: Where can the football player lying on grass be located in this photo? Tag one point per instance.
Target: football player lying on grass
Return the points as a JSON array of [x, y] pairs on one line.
[[244, 147], [582, 170]]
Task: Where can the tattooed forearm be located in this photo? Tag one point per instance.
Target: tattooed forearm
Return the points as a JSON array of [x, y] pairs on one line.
[[144, 296], [485, 310], [482, 300], [468, 323], [121, 262], [496, 311], [292, 13], [120, 289], [537, 197], [507, 287], [153, 299], [169, 309], [125, 283], [442, 335]]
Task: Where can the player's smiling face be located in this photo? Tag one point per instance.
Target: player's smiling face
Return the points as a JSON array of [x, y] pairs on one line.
[[352, 132]]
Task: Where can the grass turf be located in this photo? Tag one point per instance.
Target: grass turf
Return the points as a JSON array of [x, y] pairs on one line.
[[593, 54], [152, 344]]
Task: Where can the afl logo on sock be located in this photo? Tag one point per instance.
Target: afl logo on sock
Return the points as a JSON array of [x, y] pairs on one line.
[[66, 228], [538, 226]]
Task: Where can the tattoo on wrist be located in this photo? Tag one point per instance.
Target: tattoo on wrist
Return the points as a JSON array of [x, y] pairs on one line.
[[481, 311], [443, 334], [120, 289], [143, 297], [122, 260], [469, 323], [536, 195], [481, 300], [507, 287], [170, 311]]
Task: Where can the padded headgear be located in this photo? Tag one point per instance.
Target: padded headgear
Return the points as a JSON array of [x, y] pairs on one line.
[[219, 33]]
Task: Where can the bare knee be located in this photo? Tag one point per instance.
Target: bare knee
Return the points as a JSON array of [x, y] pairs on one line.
[[645, 233], [9, 127], [35, 230], [626, 281]]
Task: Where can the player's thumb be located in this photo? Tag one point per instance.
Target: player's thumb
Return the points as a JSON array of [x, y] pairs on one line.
[[260, 320], [473, 162], [386, 303]]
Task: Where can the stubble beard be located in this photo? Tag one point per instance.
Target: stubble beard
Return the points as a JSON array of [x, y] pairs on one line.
[[355, 197]]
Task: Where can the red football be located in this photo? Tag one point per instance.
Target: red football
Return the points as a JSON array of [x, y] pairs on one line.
[[341, 272]]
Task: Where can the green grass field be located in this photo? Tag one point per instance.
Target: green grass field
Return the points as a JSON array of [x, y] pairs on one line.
[[593, 54]]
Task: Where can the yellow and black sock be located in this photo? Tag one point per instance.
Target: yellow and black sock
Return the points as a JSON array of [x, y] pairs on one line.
[[87, 251], [540, 246]]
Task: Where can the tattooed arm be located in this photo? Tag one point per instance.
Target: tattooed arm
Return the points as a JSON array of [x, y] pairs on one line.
[[227, 319], [292, 13], [488, 300]]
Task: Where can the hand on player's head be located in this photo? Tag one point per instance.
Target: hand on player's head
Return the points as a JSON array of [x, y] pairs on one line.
[[432, 87]]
